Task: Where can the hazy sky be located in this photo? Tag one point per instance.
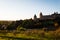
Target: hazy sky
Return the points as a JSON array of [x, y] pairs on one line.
[[25, 9]]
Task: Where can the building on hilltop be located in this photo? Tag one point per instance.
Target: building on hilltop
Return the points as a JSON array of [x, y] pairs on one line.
[[45, 17]]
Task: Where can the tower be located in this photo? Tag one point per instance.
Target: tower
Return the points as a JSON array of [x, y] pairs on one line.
[[35, 17], [40, 15]]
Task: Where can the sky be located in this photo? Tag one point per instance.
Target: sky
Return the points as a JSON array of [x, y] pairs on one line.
[[25, 9]]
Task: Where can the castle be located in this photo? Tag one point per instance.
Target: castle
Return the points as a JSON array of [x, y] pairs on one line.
[[45, 17]]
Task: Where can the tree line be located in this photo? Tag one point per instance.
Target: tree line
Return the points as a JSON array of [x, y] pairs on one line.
[[50, 24]]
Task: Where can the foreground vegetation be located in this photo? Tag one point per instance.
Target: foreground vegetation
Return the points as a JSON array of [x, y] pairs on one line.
[[31, 34]]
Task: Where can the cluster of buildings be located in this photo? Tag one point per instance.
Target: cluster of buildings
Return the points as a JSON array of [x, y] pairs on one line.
[[45, 17]]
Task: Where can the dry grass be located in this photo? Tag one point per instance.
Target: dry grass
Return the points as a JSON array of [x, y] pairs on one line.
[[35, 34]]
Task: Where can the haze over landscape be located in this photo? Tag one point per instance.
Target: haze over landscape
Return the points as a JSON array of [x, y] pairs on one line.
[[25, 9]]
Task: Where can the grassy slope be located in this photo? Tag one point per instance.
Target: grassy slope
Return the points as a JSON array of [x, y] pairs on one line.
[[36, 34]]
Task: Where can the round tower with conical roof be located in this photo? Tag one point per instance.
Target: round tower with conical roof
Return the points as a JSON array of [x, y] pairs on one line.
[[35, 17], [40, 15]]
